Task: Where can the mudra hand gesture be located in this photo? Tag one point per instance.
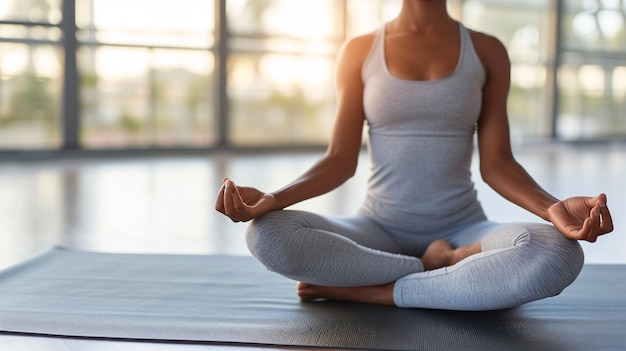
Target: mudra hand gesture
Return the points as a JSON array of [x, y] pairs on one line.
[[581, 217], [242, 204]]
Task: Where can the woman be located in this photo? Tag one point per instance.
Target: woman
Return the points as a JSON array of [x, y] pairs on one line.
[[424, 84]]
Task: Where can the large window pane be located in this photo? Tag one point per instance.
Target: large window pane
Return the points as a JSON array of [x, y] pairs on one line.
[[592, 102], [183, 23], [115, 99], [139, 97], [280, 99], [527, 103], [521, 26], [591, 87], [183, 99], [280, 70], [30, 85], [30, 75]]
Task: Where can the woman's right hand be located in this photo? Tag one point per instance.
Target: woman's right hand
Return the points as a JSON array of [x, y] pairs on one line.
[[242, 204]]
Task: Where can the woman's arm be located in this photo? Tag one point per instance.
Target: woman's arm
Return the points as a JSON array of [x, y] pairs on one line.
[[498, 167], [582, 218], [335, 167], [340, 161]]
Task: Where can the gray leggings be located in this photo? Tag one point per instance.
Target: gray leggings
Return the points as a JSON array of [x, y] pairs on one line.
[[519, 262]]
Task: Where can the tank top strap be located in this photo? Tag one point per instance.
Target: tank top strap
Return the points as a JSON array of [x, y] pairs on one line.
[[376, 57], [469, 56]]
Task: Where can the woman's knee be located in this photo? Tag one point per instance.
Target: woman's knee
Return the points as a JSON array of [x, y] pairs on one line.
[[506, 236], [551, 262], [277, 240], [559, 259], [543, 237], [267, 238], [262, 229]]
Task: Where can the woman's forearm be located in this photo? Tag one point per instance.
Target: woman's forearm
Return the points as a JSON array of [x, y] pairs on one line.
[[509, 179], [327, 174]]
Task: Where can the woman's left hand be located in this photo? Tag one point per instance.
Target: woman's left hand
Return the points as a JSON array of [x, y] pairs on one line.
[[581, 217]]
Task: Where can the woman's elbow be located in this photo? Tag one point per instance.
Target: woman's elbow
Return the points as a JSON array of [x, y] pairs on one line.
[[486, 174], [342, 167], [347, 170], [494, 168]]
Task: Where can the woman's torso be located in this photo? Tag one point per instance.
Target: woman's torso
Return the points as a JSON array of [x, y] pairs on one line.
[[421, 142]]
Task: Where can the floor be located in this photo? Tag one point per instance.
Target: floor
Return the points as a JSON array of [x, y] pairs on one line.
[[166, 205]]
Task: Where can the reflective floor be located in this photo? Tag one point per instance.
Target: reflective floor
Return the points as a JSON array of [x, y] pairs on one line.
[[166, 205]]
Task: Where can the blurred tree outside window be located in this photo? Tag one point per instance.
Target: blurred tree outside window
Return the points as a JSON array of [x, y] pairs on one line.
[[146, 78], [280, 99], [280, 71], [30, 74]]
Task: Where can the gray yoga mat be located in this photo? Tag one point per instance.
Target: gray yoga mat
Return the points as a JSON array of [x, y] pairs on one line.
[[232, 299]]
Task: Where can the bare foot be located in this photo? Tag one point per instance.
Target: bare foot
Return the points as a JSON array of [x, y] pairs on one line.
[[438, 254], [441, 254], [378, 294], [466, 251]]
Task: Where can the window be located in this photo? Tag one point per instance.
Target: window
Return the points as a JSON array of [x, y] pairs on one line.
[[591, 77], [153, 74], [280, 70], [146, 78], [523, 27], [30, 74]]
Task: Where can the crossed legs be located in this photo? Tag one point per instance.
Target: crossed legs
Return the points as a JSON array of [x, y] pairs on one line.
[[512, 265], [438, 254]]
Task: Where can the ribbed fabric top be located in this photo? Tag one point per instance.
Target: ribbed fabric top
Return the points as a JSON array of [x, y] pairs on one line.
[[421, 142]]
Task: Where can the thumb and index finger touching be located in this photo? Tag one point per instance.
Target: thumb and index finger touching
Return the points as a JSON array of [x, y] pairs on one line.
[[231, 203], [599, 221], [603, 214], [227, 192]]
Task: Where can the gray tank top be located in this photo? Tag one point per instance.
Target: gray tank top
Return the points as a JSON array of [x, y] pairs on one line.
[[421, 142]]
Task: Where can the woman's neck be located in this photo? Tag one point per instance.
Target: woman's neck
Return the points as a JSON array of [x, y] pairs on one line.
[[423, 16]]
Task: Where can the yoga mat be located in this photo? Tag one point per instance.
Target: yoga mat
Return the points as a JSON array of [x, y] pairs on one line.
[[233, 299]]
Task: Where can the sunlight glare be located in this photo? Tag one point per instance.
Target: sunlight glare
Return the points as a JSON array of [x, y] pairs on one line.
[[313, 71], [304, 19], [196, 62], [46, 64], [4, 8], [591, 79], [119, 63], [244, 75], [280, 70], [610, 22], [154, 15], [585, 26], [528, 76], [286, 72], [15, 60], [525, 43]]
